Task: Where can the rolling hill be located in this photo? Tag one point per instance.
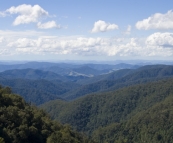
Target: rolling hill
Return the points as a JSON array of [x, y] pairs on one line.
[[38, 91], [46, 85], [31, 74], [151, 125], [124, 105], [120, 79], [102, 115]]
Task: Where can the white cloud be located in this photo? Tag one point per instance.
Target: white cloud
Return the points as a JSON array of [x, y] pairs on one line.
[[48, 25], [78, 46], [159, 44], [30, 14], [27, 13], [155, 45], [22, 42], [72, 45], [102, 26], [160, 39], [157, 21]]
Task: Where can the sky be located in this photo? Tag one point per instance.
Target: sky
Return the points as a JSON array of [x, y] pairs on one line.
[[100, 30]]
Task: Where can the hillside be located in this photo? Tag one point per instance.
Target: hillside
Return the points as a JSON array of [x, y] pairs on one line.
[[23, 123], [117, 66], [38, 91], [114, 75], [31, 74], [91, 112], [33, 65], [126, 105], [153, 125], [87, 70], [39, 86], [120, 79]]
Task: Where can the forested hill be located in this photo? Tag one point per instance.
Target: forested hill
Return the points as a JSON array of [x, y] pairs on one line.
[[114, 116], [38, 91], [38, 86], [126, 105], [121, 78], [153, 125], [31, 74], [23, 123]]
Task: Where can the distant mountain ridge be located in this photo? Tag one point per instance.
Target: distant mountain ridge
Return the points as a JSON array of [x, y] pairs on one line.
[[125, 78], [38, 91], [69, 87], [33, 65], [65, 68], [31, 74]]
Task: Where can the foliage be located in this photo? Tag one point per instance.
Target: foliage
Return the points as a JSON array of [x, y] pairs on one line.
[[23, 123], [154, 125], [41, 89], [38, 91], [108, 112], [137, 108]]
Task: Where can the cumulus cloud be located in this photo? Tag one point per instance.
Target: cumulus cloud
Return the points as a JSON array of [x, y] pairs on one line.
[[159, 44], [48, 25], [157, 21], [27, 13], [30, 14], [102, 26], [160, 39]]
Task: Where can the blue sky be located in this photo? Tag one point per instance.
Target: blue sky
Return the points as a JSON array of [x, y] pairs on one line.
[[86, 30]]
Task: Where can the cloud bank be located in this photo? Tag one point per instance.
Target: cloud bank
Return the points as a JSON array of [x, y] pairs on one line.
[[157, 44]]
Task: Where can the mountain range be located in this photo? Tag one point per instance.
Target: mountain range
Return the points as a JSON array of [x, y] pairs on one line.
[[48, 85], [109, 103], [125, 114]]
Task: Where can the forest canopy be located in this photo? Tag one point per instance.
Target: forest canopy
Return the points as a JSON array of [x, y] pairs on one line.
[[22, 123]]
